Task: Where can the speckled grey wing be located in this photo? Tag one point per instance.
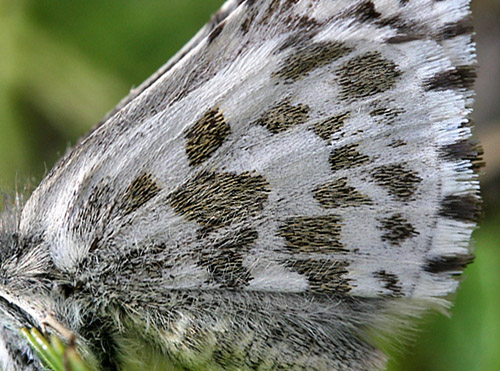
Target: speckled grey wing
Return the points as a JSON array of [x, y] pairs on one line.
[[301, 173]]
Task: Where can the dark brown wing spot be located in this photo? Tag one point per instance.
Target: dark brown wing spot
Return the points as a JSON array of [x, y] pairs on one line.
[[283, 116], [141, 190], [465, 208], [310, 57], [347, 157], [216, 31], [217, 199], [326, 128], [365, 12], [452, 264], [451, 30], [464, 150], [224, 259], [390, 282], [395, 143], [339, 194], [248, 22], [367, 75], [397, 229], [313, 234], [323, 275], [461, 77], [386, 115], [399, 181], [206, 136]]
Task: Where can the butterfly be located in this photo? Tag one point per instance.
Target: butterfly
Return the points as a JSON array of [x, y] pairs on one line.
[[297, 182]]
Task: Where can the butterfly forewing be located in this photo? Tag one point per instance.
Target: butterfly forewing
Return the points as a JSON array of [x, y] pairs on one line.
[[298, 175]]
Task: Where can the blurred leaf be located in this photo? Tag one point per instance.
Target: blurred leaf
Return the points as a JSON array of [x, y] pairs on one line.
[[54, 354]]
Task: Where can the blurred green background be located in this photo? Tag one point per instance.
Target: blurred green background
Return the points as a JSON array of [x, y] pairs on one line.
[[64, 64]]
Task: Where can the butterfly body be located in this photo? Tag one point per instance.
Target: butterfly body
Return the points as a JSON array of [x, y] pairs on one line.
[[299, 176]]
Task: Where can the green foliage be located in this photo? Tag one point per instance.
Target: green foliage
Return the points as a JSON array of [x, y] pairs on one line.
[[54, 354]]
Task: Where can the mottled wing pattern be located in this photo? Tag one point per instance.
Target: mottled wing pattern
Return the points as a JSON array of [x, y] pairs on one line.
[[299, 173]]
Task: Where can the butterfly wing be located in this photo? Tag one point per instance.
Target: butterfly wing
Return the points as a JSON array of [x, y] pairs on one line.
[[300, 173]]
